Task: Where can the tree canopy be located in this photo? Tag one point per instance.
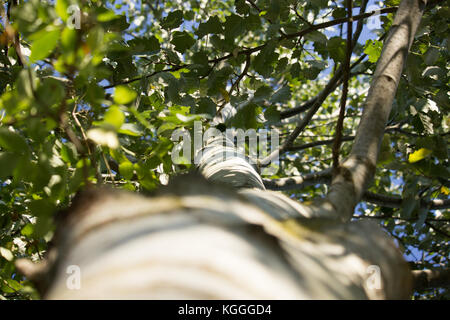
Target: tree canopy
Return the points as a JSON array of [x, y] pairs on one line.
[[91, 92]]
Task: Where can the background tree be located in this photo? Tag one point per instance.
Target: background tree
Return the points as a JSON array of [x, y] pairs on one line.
[[97, 105]]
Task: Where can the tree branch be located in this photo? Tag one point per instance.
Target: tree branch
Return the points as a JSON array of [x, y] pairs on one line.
[[393, 128], [298, 182], [435, 278], [308, 104], [346, 75], [176, 68], [317, 143], [324, 177], [438, 230], [358, 170]]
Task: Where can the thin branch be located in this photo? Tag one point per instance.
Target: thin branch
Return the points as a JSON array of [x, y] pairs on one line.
[[305, 120], [308, 30], [346, 75], [78, 123], [111, 175], [299, 109], [144, 76], [12, 35], [298, 182], [300, 16], [396, 202], [317, 143], [385, 217], [236, 83], [438, 230], [241, 76], [434, 278], [324, 177], [308, 104]]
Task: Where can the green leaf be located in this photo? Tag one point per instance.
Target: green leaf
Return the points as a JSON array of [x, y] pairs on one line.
[[295, 70], [27, 230], [126, 169], [69, 39], [144, 45], [173, 20], [114, 116], [24, 85], [51, 92], [431, 56], [282, 95], [68, 153], [422, 216], [213, 25], [234, 26], [206, 106], [13, 286], [336, 47], [409, 204], [252, 22], [8, 162], [104, 137], [272, 115], [263, 61], [124, 95], [182, 41], [339, 13], [316, 36], [12, 141], [106, 15], [418, 155], [386, 155], [111, 21], [373, 49], [262, 93], [246, 117], [61, 7], [241, 7], [130, 129], [43, 47]]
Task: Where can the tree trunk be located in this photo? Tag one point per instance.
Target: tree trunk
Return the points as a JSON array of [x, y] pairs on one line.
[[229, 238], [198, 239]]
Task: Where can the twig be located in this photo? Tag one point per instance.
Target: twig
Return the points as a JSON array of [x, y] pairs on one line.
[[12, 35], [393, 128], [308, 104], [441, 232], [243, 73], [108, 168], [346, 76], [144, 77], [300, 16]]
